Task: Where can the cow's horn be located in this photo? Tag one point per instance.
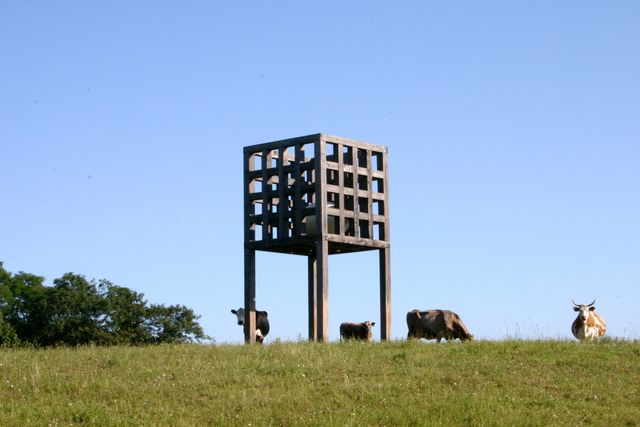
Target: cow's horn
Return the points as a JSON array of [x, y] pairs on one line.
[[574, 303], [594, 301]]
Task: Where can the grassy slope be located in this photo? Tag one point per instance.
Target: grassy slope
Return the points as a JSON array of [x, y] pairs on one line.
[[397, 383]]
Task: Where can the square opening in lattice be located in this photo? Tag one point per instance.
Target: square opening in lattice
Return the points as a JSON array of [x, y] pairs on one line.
[[349, 227], [378, 231], [377, 206], [255, 162], [331, 151], [347, 155], [308, 176], [363, 229], [308, 150], [333, 177], [289, 227], [376, 161], [272, 182], [333, 225], [362, 158], [377, 185], [348, 180], [363, 204], [258, 235], [273, 157], [348, 203], [308, 198], [289, 156], [363, 182], [257, 185], [333, 200], [257, 208]]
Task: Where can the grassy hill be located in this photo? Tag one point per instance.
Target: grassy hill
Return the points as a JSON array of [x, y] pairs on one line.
[[395, 383]]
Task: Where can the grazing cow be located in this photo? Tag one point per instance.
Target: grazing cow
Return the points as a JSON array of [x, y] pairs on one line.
[[262, 323], [436, 324], [356, 331], [588, 325]]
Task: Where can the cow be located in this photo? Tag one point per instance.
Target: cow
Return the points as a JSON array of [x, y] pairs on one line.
[[356, 331], [262, 323], [588, 325], [436, 324]]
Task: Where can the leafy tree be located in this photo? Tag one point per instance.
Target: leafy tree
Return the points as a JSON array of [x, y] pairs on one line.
[[174, 324], [8, 336], [28, 308], [77, 311], [126, 313]]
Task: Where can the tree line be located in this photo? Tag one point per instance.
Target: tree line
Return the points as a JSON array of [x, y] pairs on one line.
[[76, 311]]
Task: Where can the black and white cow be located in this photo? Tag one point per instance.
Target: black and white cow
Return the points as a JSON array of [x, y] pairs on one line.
[[262, 323]]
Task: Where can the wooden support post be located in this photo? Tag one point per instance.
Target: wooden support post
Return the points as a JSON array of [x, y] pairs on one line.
[[322, 290], [385, 294], [313, 306], [250, 296]]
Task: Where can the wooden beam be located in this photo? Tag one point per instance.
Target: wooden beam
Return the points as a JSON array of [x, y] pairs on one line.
[[313, 295], [322, 290], [250, 296], [385, 294]]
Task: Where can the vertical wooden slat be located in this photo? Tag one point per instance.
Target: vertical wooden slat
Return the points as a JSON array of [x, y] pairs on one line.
[[369, 195], [321, 186], [385, 185], [282, 199], [247, 157], [341, 221], [297, 203], [266, 200]]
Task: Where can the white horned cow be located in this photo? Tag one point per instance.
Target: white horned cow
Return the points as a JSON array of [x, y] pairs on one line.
[[262, 323], [436, 324], [588, 325], [356, 331]]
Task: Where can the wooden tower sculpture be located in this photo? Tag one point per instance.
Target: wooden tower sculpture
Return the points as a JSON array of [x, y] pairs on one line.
[[316, 196]]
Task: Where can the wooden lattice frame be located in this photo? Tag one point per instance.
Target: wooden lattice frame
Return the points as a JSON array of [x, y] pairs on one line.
[[285, 180], [316, 195]]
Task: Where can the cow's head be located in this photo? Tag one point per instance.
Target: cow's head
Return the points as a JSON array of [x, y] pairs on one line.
[[369, 326], [583, 309], [240, 314]]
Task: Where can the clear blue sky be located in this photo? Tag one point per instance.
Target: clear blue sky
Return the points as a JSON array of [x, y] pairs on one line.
[[513, 131]]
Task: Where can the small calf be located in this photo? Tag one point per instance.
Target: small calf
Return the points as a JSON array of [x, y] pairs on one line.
[[356, 331]]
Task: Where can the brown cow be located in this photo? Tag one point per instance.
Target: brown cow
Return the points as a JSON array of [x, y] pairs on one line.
[[356, 331], [436, 324], [588, 325]]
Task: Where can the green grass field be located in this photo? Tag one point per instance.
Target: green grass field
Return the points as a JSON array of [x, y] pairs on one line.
[[394, 383]]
